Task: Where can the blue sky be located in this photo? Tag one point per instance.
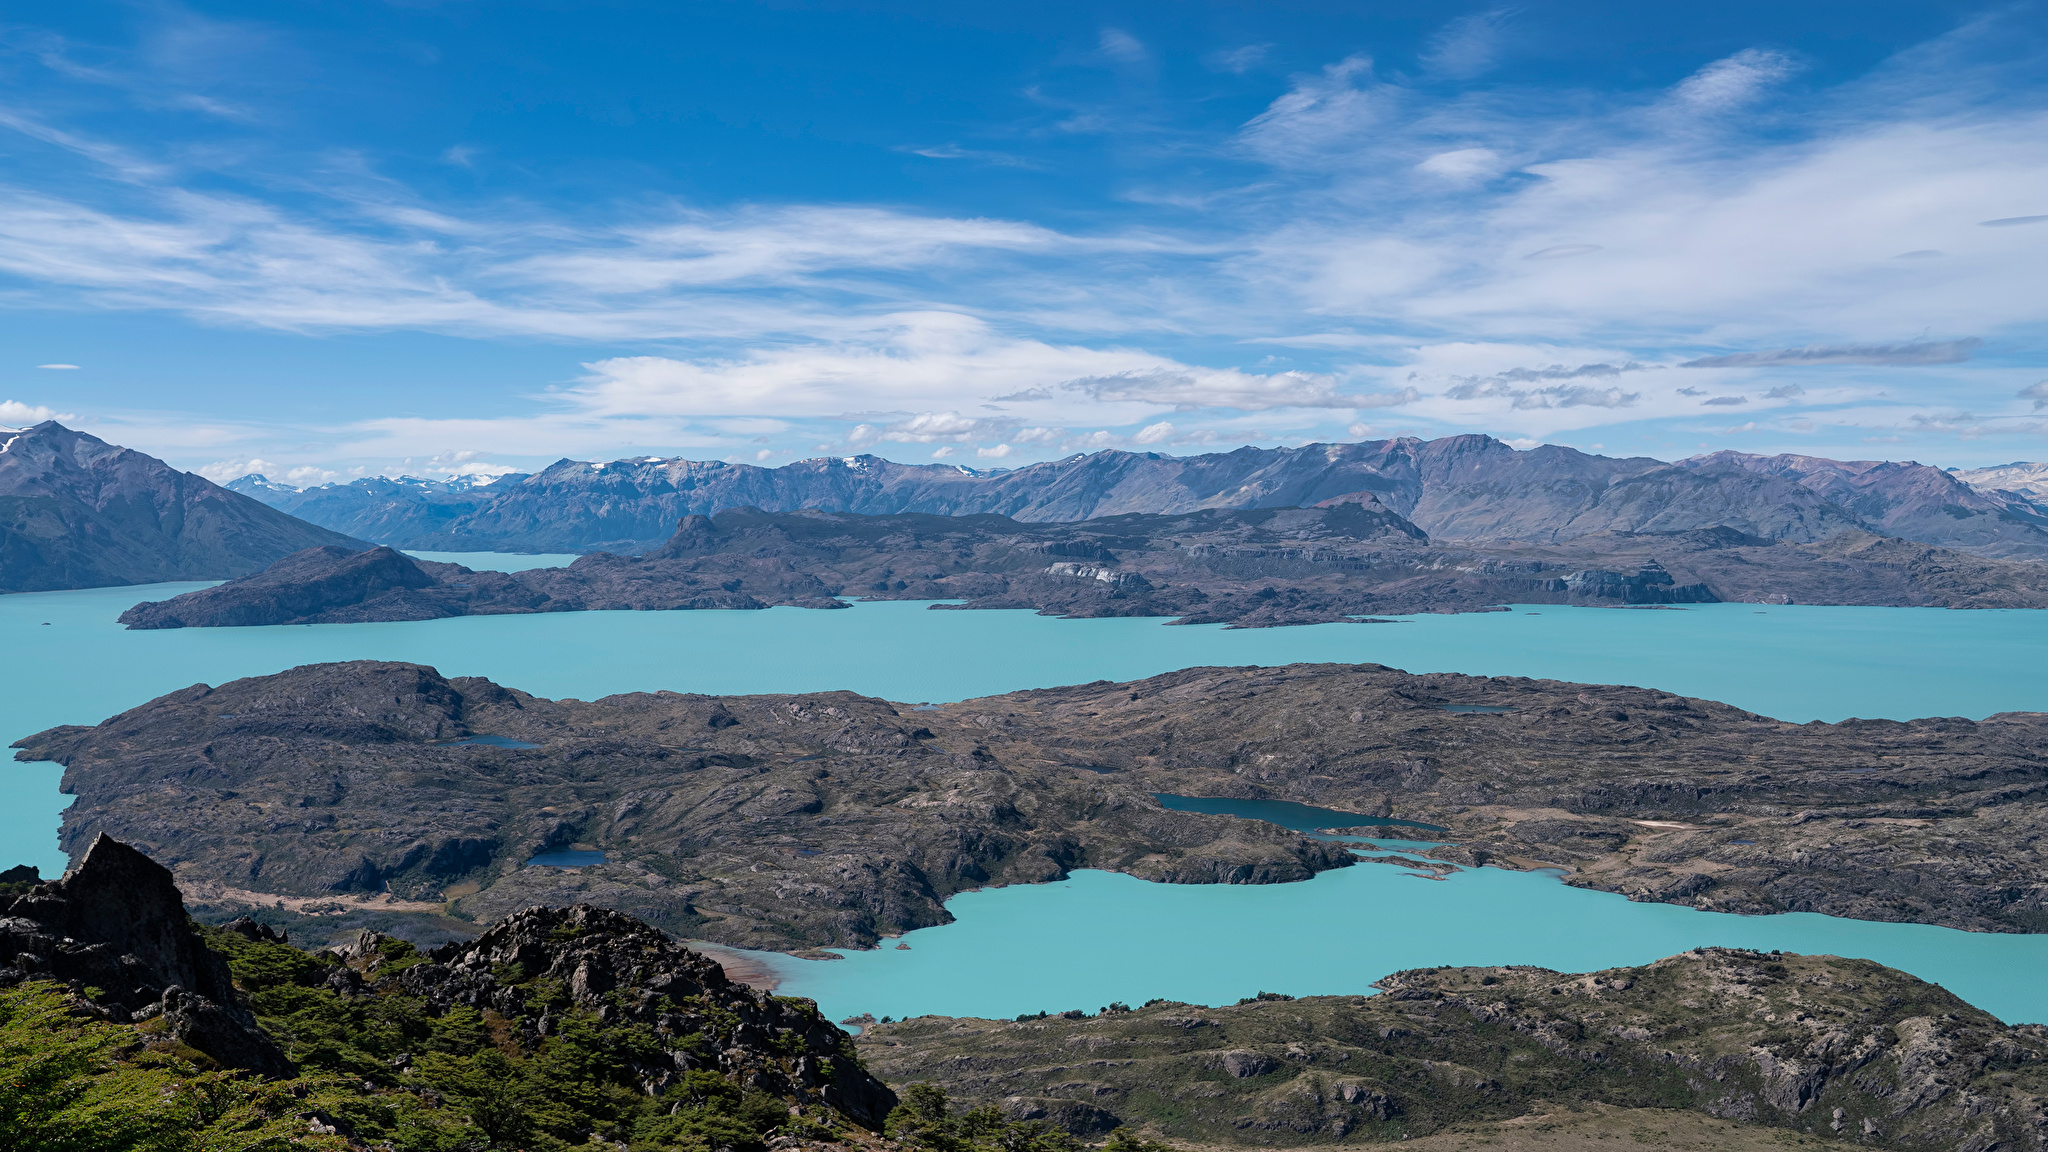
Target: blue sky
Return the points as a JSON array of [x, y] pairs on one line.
[[320, 238]]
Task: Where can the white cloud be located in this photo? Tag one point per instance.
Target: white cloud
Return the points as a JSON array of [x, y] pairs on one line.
[[1240, 60], [923, 361], [222, 471], [1154, 433], [932, 428], [60, 367], [1464, 164], [1122, 47], [1732, 82], [1318, 114], [1468, 46], [996, 452], [14, 412]]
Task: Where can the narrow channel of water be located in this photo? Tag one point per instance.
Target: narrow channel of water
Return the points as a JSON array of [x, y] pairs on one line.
[[1104, 936]]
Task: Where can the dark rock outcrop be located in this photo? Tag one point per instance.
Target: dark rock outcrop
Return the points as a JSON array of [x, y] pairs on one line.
[[1815, 1044], [1458, 488], [834, 819], [628, 973], [77, 512], [1347, 557], [116, 931]]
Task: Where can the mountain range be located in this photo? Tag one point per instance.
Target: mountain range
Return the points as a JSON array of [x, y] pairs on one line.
[[78, 512], [1462, 488]]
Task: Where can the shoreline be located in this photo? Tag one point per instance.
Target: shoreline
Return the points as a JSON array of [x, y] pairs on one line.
[[739, 967]]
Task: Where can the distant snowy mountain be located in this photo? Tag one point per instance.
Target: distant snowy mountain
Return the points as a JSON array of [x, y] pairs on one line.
[[2029, 479], [1471, 488], [381, 509]]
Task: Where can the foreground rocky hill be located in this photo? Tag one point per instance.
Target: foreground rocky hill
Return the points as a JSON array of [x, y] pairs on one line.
[[581, 1027], [1840, 1050], [1348, 557], [1463, 488], [553, 1028], [117, 924], [833, 818], [78, 512]]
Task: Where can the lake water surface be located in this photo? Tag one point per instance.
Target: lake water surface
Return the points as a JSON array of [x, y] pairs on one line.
[[1103, 936], [68, 662]]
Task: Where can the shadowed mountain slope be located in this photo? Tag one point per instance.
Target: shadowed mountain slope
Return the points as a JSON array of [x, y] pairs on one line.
[[77, 512]]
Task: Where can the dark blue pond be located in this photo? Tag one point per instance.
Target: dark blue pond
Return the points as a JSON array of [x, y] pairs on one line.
[[494, 742]]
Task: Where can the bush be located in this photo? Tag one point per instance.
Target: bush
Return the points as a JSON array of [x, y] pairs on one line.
[[65, 1087]]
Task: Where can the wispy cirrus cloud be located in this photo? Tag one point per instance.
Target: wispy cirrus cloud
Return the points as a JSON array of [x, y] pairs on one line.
[[1468, 46], [1436, 242]]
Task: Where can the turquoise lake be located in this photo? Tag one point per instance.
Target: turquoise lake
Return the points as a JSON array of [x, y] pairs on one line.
[[1101, 937]]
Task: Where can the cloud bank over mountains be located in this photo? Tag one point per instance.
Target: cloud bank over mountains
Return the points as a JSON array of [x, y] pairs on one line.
[[1381, 248]]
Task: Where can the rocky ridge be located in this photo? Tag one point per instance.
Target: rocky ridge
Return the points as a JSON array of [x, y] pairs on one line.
[[77, 512], [1348, 557], [647, 1026], [1458, 488], [115, 931], [627, 973], [1828, 1047], [837, 819]]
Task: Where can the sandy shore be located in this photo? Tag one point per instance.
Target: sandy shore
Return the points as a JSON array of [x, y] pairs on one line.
[[739, 968]]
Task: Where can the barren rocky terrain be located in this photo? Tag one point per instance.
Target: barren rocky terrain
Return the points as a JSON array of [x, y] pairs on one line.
[[795, 821], [1247, 568], [1838, 1051]]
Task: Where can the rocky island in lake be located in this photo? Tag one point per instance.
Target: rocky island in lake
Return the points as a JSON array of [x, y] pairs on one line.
[[795, 821], [1348, 557]]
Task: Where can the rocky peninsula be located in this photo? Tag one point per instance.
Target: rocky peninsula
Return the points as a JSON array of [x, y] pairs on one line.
[[794, 821], [1345, 558], [1828, 1048]]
